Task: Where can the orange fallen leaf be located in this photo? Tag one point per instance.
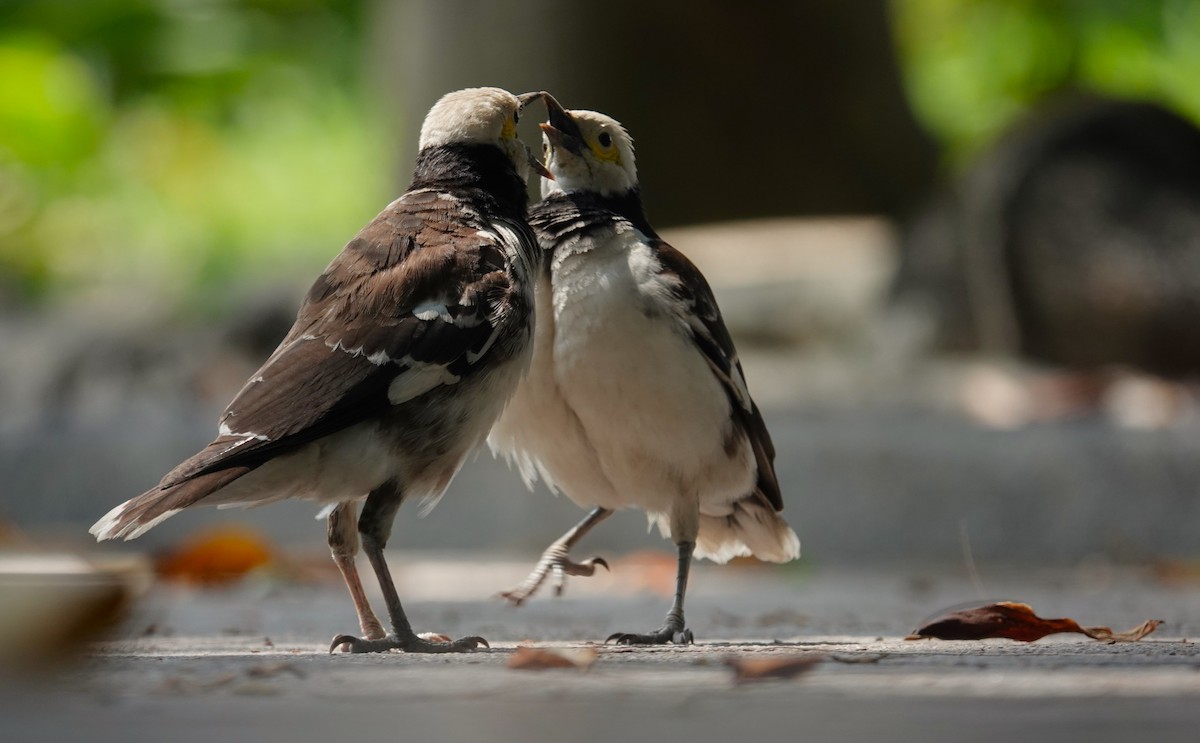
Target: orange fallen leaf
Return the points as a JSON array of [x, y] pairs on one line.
[[1015, 621], [220, 555], [749, 670], [538, 659]]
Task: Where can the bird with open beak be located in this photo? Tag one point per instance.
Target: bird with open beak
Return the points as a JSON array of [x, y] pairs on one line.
[[403, 353], [635, 396]]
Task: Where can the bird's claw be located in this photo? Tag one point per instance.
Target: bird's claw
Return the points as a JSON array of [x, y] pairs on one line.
[[408, 644], [585, 568], [565, 567], [662, 636], [554, 560]]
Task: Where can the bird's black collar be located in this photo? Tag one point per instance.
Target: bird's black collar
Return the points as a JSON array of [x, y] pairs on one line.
[[481, 173], [627, 206]]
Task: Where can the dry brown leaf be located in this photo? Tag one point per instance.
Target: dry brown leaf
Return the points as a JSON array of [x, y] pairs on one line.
[[749, 670], [216, 556], [1015, 621], [1133, 635], [539, 659]]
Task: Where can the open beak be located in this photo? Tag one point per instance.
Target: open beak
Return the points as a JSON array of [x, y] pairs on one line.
[[537, 165], [561, 129], [524, 100]]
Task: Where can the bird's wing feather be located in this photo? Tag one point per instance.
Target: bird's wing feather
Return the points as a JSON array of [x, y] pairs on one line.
[[418, 295], [708, 331]]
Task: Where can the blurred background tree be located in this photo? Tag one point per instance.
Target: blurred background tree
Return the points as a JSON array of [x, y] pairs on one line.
[[174, 144], [741, 111], [973, 66], [182, 143]]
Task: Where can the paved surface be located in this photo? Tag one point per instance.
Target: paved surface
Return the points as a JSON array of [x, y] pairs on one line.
[[250, 663]]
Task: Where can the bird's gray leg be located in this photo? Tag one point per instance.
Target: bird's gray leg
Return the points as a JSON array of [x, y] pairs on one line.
[[343, 543], [674, 629], [375, 526], [555, 559]]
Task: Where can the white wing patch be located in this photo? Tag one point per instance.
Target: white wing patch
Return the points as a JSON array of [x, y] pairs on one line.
[[225, 430], [418, 380], [432, 311]]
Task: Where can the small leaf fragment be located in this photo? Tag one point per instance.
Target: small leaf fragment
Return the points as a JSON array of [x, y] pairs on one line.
[[750, 670], [1133, 635], [539, 659], [1016, 621]]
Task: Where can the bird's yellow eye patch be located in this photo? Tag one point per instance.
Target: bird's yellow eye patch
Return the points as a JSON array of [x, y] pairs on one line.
[[509, 130], [604, 149]]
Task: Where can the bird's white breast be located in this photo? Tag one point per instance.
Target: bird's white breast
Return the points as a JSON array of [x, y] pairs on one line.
[[620, 408]]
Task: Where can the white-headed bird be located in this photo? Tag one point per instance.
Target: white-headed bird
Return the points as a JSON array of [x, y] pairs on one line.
[[404, 352], [635, 396]]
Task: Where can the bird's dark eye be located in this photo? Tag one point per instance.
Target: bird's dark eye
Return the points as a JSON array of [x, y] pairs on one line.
[[516, 117], [604, 139]]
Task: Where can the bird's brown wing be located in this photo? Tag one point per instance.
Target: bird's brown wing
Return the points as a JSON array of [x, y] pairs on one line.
[[708, 331], [413, 302]]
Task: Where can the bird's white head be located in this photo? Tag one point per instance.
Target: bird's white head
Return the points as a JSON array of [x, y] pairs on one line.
[[479, 116], [586, 151]]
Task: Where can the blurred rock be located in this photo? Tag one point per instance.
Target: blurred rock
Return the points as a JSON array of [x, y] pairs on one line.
[[1074, 242], [52, 605], [795, 282]]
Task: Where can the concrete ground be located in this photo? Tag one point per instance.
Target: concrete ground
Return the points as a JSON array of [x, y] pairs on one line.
[[251, 663], [882, 459]]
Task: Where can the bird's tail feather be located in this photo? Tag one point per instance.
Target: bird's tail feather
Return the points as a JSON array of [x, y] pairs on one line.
[[754, 528], [138, 515]]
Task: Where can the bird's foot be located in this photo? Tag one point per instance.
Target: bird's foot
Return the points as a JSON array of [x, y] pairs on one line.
[[372, 629], [554, 561], [409, 643], [668, 634]]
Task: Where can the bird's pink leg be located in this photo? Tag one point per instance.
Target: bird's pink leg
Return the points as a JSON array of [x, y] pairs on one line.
[[343, 543]]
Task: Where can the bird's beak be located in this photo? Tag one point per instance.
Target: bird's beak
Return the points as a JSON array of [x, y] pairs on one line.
[[561, 129], [524, 100], [538, 166]]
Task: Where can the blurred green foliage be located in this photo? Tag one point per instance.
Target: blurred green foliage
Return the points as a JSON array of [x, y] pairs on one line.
[[171, 143], [972, 66], [174, 144]]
